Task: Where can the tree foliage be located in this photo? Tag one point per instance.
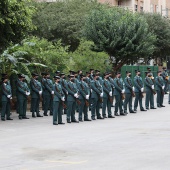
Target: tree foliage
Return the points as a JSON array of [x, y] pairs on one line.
[[119, 33], [15, 21], [63, 20], [160, 26]]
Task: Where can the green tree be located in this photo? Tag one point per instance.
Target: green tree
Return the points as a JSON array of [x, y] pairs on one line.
[[62, 20], [124, 36], [160, 26], [84, 59], [15, 21]]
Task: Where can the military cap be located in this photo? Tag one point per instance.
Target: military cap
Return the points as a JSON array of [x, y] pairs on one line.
[[118, 73], [56, 77], [136, 71], [81, 76], [164, 68], [91, 69], [3, 78], [21, 75], [159, 71], [87, 72], [57, 72], [148, 68], [71, 76], [128, 72], [146, 72], [62, 74], [34, 74], [43, 74], [97, 71]]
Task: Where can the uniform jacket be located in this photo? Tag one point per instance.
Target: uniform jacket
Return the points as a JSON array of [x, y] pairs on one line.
[[6, 90], [83, 89], [35, 88], [107, 88], [128, 85], [138, 84], [159, 83], [48, 87], [148, 83], [118, 84], [58, 92], [96, 89]]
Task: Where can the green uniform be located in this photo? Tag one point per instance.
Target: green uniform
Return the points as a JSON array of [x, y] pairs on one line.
[[84, 91], [165, 80], [71, 101], [138, 85], [118, 84], [95, 99], [57, 103], [43, 80], [48, 96], [160, 90], [107, 93], [6, 95], [36, 89], [22, 88], [113, 87], [149, 93], [128, 94]]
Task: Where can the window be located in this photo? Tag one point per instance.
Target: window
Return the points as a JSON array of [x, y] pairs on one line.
[[152, 10]]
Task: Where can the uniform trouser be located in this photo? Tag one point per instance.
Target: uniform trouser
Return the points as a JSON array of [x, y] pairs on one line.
[[5, 109], [71, 107], [48, 103], [83, 109], [22, 104], [149, 99], [128, 100], [95, 107], [118, 103], [108, 104], [57, 111], [138, 99], [35, 105], [166, 86], [159, 98]]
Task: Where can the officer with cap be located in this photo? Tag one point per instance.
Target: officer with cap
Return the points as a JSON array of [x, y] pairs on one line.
[[107, 97], [149, 91], [84, 98], [119, 94], [160, 89], [6, 97], [96, 97], [22, 94], [165, 78], [73, 95], [79, 75], [139, 89], [48, 95], [129, 93], [63, 83], [58, 100], [36, 94]]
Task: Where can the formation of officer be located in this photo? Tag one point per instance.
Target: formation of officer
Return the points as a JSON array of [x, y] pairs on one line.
[[82, 92]]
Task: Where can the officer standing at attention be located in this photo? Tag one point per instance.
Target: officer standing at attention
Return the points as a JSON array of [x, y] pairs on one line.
[[96, 97], [160, 90], [84, 98], [36, 94], [48, 95], [22, 94], [139, 89], [6, 97], [58, 100], [149, 91], [113, 87], [73, 95], [129, 93], [165, 78], [119, 94], [107, 97], [43, 88], [63, 83]]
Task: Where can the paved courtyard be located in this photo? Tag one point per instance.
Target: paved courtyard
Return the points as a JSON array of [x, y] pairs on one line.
[[135, 142]]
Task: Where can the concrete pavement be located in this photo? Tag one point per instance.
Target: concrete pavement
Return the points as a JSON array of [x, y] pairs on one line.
[[135, 142]]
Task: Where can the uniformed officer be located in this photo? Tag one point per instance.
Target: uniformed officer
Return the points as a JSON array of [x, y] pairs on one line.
[[129, 93], [107, 97], [149, 91], [96, 97], [58, 100], [165, 78], [43, 88], [36, 94], [139, 89], [72, 98], [6, 98], [48, 94], [113, 87], [119, 94], [91, 73], [57, 73], [22, 94], [84, 98], [79, 74], [63, 83], [160, 90]]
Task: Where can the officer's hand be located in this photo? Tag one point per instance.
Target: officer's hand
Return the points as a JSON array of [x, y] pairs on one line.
[[67, 92], [101, 95], [63, 99], [87, 97], [163, 87], [110, 93], [9, 96], [152, 86], [40, 92], [52, 92], [133, 88], [123, 91], [142, 89]]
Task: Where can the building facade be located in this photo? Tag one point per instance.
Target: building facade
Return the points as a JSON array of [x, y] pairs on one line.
[[152, 6]]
